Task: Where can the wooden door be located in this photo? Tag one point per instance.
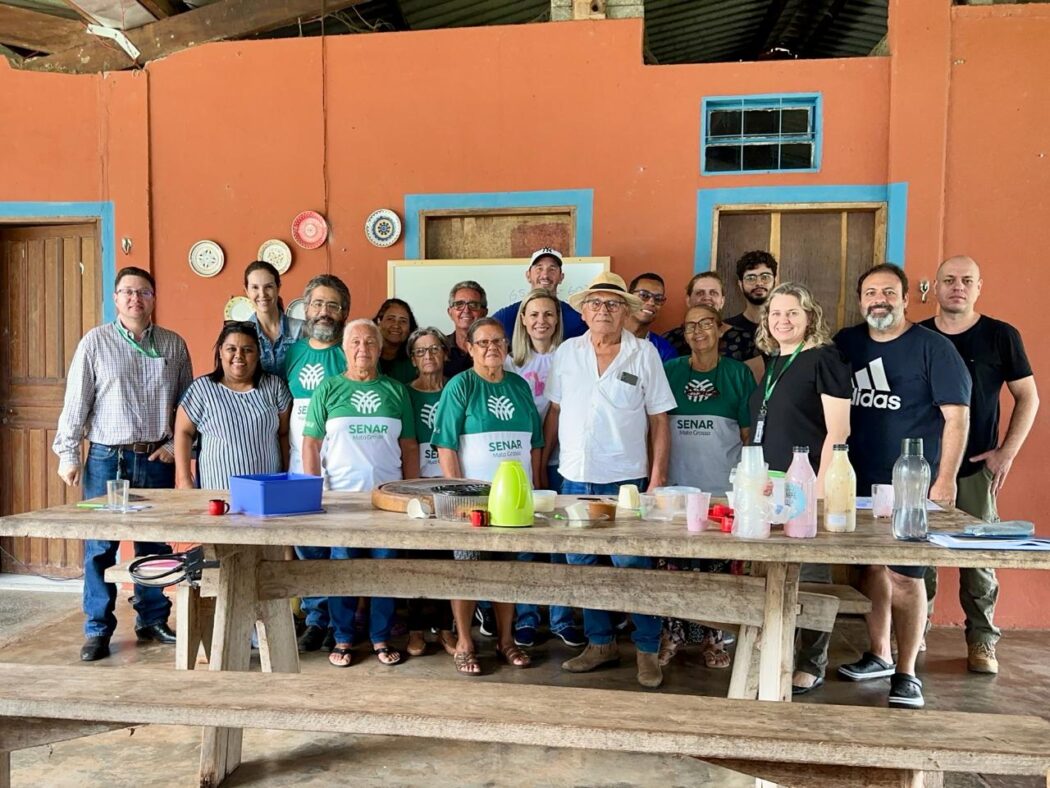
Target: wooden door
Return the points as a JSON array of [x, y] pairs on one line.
[[50, 294], [825, 247], [496, 233]]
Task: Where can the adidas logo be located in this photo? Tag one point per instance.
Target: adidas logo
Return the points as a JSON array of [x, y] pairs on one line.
[[366, 401], [871, 388], [501, 407], [311, 375]]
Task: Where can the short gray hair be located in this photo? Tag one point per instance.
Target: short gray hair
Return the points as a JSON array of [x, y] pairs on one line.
[[481, 322], [332, 281], [428, 331], [364, 322], [468, 284]]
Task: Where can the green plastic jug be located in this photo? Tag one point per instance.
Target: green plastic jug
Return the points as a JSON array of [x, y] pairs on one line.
[[510, 499]]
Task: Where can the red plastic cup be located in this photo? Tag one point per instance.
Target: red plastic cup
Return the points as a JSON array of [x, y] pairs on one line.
[[727, 524], [218, 506]]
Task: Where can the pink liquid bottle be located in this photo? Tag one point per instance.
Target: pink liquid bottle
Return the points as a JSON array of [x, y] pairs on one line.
[[800, 496]]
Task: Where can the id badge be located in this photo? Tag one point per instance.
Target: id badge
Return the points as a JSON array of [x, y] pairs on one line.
[[760, 428]]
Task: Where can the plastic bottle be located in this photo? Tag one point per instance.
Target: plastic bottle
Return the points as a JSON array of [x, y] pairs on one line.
[[911, 484], [750, 504], [840, 493], [800, 496]]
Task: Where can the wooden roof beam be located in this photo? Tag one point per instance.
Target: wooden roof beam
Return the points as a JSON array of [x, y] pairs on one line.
[[40, 32], [161, 9], [224, 20]]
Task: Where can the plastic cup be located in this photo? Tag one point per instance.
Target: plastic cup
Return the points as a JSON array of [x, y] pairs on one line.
[[543, 500], [117, 495], [882, 500], [696, 508], [650, 510]]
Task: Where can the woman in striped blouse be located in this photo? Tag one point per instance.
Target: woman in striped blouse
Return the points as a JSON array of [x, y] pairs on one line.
[[240, 412]]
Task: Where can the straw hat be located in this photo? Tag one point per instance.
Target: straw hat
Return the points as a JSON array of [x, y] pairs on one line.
[[605, 283]]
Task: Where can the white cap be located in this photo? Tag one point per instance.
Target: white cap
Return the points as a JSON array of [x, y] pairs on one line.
[[546, 251]]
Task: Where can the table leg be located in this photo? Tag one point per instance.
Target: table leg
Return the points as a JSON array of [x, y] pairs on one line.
[[278, 650], [778, 632]]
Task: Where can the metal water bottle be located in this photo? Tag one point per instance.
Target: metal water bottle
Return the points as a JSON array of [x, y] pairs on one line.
[[911, 484]]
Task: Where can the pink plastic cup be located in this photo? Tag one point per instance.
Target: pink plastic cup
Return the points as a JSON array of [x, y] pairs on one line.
[[882, 500], [696, 508]]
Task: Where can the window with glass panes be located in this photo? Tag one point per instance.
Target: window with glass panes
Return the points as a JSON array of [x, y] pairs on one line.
[[761, 134]]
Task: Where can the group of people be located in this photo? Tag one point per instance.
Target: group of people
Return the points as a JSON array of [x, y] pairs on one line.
[[587, 398]]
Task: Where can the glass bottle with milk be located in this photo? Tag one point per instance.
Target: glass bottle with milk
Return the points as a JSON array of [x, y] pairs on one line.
[[840, 493]]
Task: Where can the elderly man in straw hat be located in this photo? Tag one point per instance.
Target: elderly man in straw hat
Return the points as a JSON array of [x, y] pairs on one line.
[[609, 395]]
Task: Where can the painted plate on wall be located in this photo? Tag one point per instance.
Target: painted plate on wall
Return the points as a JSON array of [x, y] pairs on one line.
[[383, 227], [277, 253], [206, 258], [297, 309], [239, 308], [309, 229]]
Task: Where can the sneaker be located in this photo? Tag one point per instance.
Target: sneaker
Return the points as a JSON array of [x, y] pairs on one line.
[[868, 667], [621, 621], [980, 658], [572, 636], [312, 638], [487, 620], [905, 692], [525, 637]]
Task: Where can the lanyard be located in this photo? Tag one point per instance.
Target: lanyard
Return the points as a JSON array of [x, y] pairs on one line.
[[771, 381], [150, 350]]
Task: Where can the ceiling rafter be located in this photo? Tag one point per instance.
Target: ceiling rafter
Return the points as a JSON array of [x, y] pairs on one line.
[[37, 31], [161, 9], [227, 19]]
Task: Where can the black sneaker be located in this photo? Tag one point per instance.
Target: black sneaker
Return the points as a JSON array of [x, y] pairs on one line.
[[905, 692], [572, 636], [487, 619], [312, 638], [866, 668]]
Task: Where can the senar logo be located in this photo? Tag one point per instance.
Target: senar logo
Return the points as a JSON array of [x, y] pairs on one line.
[[428, 414], [501, 407], [700, 390], [366, 401], [311, 375]]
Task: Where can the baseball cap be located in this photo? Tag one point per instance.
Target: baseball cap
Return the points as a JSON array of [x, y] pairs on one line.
[[546, 251]]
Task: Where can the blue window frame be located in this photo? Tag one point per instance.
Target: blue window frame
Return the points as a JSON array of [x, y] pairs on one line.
[[756, 134]]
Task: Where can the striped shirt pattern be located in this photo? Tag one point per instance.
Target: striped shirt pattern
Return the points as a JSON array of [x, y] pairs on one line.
[[238, 429], [116, 394]]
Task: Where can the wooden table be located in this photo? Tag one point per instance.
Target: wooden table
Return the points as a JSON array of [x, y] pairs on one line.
[[253, 579]]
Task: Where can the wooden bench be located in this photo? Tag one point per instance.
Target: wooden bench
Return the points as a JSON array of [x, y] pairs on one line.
[[790, 744], [851, 601]]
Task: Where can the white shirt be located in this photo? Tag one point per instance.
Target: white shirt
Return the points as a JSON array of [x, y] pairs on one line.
[[604, 420]]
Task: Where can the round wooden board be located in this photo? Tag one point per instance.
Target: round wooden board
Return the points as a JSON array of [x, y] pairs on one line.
[[394, 496]]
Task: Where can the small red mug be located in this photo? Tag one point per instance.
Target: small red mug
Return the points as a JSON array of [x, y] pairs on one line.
[[218, 506]]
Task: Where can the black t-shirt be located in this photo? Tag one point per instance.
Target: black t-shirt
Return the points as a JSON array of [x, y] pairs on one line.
[[794, 412], [994, 354], [899, 387], [458, 360], [738, 341]]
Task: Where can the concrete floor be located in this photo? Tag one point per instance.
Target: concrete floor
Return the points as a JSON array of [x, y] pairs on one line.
[[38, 627]]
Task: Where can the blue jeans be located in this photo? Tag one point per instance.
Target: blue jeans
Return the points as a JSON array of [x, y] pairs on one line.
[[100, 598], [315, 608], [341, 609], [597, 624], [527, 615]]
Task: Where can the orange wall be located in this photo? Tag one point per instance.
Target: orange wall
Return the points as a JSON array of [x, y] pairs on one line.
[[229, 141]]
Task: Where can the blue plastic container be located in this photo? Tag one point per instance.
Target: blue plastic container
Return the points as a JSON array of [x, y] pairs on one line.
[[266, 494]]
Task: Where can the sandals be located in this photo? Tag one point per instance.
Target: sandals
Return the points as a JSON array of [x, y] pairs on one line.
[[335, 658], [467, 663], [417, 646], [668, 649], [387, 655], [513, 655], [447, 641], [716, 657]]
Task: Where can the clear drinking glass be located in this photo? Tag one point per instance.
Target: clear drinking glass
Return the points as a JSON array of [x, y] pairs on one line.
[[117, 494]]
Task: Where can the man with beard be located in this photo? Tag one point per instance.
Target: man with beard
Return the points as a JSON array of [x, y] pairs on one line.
[[908, 383], [994, 354], [650, 289], [545, 271], [756, 274], [318, 355], [704, 289]]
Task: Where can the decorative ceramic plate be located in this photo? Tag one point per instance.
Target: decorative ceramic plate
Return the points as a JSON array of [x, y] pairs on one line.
[[206, 258], [239, 308], [277, 253], [383, 228], [296, 309], [309, 229]]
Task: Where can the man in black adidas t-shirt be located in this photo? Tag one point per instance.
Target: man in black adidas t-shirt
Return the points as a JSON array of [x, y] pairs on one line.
[[908, 383], [994, 354]]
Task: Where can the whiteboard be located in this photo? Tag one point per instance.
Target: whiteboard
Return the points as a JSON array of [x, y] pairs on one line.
[[424, 284]]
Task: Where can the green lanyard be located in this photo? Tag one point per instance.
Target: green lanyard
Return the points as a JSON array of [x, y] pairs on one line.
[[771, 381], [150, 350]]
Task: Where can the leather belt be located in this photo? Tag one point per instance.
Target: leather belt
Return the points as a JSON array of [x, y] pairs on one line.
[[140, 448]]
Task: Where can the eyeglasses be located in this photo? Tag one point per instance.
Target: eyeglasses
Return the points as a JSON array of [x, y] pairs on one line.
[[645, 295], [242, 325], [754, 279], [433, 350], [128, 292], [473, 306], [325, 306], [611, 305], [485, 344], [699, 325]]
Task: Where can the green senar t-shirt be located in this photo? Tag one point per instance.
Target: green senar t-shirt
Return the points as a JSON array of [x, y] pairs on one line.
[[304, 369], [424, 407], [711, 407], [361, 423], [488, 423]]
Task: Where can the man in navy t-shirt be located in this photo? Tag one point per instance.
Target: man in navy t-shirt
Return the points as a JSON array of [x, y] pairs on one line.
[[908, 383], [544, 271], [650, 289], [994, 354]]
